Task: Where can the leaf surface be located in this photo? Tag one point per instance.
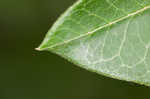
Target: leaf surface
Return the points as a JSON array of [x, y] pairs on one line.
[[110, 37]]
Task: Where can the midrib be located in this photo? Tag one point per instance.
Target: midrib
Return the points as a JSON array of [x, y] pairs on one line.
[[99, 28]]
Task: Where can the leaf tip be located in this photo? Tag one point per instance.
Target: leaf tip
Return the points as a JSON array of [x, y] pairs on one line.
[[38, 49]]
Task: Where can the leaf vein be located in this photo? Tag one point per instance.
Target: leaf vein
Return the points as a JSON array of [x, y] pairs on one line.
[[99, 28]]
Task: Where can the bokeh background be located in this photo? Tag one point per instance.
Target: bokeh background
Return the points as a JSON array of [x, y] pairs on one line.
[[29, 74]]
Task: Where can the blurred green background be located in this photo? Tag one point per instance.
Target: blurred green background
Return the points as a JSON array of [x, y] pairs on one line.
[[29, 74]]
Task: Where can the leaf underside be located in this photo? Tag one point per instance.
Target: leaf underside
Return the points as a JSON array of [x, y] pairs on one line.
[[110, 37]]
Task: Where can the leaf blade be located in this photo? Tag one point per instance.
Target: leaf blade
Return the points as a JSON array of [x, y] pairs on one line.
[[106, 48]]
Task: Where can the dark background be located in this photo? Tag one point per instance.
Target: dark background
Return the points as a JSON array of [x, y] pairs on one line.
[[29, 74]]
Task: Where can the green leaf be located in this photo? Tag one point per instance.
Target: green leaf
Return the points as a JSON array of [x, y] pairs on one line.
[[109, 37]]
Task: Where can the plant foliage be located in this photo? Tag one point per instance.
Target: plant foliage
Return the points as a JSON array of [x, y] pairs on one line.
[[110, 37]]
